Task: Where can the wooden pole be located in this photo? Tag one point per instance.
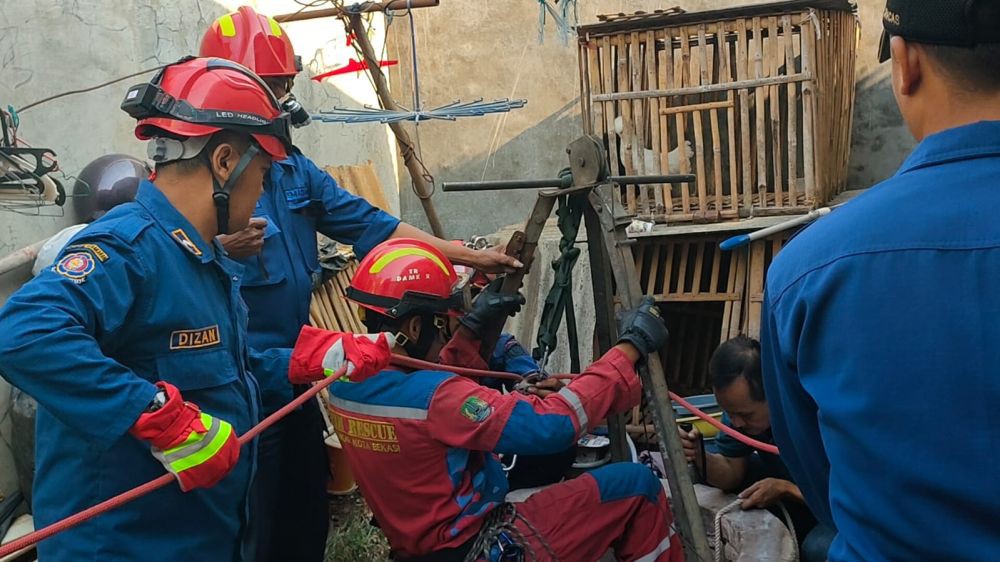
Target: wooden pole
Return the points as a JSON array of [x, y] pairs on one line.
[[423, 190], [364, 7]]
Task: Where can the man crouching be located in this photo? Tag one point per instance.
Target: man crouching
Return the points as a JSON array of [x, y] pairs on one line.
[[423, 445]]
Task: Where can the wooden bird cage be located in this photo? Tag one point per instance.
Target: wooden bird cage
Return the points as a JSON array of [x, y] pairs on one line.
[[762, 94], [707, 296]]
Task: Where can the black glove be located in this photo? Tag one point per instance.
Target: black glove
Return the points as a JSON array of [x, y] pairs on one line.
[[489, 308], [643, 327]]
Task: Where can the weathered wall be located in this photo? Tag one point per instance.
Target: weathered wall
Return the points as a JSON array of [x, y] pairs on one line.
[[469, 49], [50, 46]]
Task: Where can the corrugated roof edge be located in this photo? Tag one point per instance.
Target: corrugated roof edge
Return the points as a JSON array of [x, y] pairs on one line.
[[648, 21]]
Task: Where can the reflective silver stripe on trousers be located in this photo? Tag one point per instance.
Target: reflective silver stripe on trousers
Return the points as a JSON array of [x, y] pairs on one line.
[[664, 546], [574, 401], [399, 412]]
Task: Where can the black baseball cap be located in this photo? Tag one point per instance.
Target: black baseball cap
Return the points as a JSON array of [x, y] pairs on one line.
[[959, 23]]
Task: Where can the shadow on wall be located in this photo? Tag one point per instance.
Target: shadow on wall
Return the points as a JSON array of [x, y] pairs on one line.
[[528, 153], [880, 140]]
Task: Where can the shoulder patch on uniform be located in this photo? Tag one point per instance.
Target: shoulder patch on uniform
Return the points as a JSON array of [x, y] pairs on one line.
[[193, 339], [98, 252], [76, 266], [186, 241], [475, 409]]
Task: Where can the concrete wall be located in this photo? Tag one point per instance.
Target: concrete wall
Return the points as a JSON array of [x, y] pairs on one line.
[[50, 46], [469, 49]]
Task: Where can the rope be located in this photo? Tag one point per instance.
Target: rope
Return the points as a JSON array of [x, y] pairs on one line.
[[397, 360], [155, 484], [559, 300], [503, 520], [411, 363], [750, 441], [717, 540]]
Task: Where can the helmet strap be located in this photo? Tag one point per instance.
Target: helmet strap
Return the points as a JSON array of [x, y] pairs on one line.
[[428, 333], [220, 192]]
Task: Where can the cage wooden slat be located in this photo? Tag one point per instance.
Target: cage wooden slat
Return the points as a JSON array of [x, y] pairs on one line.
[[653, 192], [684, 78], [791, 108], [609, 113]]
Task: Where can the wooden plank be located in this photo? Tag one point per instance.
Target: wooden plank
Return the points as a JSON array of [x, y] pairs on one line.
[[706, 89], [746, 151], [668, 268], [741, 281], [684, 78], [776, 56], [756, 287], [717, 158], [699, 149], [609, 113], [597, 109], [638, 117], [625, 110], [699, 266], [682, 268], [582, 60], [653, 193], [665, 70], [654, 268], [808, 32], [716, 267], [759, 95], [791, 108], [712, 105], [726, 68]]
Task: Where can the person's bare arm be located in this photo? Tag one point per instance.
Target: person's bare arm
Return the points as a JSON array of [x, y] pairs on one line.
[[725, 473], [492, 260]]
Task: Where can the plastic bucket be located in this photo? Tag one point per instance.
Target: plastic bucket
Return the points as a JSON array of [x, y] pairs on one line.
[[341, 480]]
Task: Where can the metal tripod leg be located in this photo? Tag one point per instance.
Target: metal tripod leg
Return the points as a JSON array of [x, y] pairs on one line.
[[654, 383]]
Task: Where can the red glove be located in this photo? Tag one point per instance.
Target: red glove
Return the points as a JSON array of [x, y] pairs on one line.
[[320, 353], [196, 448]]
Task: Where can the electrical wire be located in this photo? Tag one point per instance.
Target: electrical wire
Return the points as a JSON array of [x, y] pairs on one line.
[[85, 90]]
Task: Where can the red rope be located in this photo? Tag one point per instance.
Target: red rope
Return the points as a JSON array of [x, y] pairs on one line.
[[139, 491], [397, 360], [411, 363], [766, 447]]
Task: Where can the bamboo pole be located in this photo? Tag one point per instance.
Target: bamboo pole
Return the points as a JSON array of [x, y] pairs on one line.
[[791, 107], [665, 64], [759, 95], [746, 150], [775, 56], [808, 108], [627, 136], [684, 78], [652, 119], [406, 149], [707, 88], [697, 107], [610, 111]]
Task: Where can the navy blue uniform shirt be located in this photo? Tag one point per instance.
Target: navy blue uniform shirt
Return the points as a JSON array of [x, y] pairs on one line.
[[300, 200], [881, 350], [136, 297]]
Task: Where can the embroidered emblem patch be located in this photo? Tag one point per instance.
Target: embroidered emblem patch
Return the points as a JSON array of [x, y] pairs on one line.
[[76, 266], [185, 241], [476, 409], [98, 252], [296, 194], [192, 339]]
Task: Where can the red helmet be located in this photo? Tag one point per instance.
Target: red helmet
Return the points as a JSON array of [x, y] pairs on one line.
[[197, 97], [253, 40], [403, 276]]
